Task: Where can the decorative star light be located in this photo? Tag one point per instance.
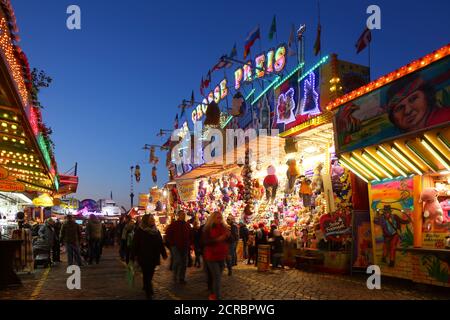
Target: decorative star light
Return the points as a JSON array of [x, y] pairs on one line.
[[309, 89]]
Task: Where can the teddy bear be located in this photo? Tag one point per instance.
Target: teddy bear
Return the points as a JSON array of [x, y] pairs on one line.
[[432, 210], [271, 183], [292, 173]]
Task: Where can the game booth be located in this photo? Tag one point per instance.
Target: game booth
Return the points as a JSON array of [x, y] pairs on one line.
[[394, 134]]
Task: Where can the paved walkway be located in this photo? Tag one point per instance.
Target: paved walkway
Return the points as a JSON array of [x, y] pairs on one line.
[[108, 281]]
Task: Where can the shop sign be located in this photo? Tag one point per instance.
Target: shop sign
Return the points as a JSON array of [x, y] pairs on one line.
[[44, 200], [11, 186], [187, 190], [3, 173], [272, 62], [336, 226], [383, 114]]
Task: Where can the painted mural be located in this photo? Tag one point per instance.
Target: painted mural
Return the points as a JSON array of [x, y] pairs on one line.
[[391, 209]]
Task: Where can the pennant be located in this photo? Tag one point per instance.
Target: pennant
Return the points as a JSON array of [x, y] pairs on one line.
[[363, 40], [202, 86], [233, 53], [273, 28], [175, 123], [221, 64], [291, 51], [317, 43], [250, 41], [207, 80]]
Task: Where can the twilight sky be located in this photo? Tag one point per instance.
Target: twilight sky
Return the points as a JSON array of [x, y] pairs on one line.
[[119, 79]]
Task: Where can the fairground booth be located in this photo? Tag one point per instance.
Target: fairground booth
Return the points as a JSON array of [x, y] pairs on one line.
[[394, 134], [283, 170]]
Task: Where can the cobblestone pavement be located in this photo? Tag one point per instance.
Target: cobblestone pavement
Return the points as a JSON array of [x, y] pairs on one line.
[[108, 281]]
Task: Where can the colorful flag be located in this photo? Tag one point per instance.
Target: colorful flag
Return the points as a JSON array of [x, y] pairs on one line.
[[250, 41], [233, 53], [208, 80], [291, 51], [175, 123], [202, 86], [221, 64], [363, 40], [273, 28], [192, 98], [317, 43]]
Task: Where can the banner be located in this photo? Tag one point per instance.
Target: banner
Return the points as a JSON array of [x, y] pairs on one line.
[[391, 207], [11, 186], [187, 190], [412, 104]]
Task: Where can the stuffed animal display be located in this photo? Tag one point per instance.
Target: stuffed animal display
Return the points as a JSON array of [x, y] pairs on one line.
[[317, 182], [432, 211]]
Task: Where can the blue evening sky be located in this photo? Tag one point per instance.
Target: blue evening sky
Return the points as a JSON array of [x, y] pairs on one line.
[[119, 79]]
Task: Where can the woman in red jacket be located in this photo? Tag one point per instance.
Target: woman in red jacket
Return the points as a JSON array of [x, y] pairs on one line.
[[215, 237]]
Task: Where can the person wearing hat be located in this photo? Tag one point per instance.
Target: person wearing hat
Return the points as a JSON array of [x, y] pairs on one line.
[[412, 105], [391, 227]]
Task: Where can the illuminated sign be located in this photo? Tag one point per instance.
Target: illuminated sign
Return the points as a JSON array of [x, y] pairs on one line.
[[45, 200], [45, 152], [310, 102], [274, 61], [11, 186], [286, 107]]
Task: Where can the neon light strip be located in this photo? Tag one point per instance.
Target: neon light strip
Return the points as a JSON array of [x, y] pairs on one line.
[[373, 162], [363, 168], [444, 141], [372, 168], [289, 75], [349, 167], [227, 121], [393, 165], [250, 94], [266, 89], [388, 154], [323, 60], [421, 156], [405, 160], [424, 142]]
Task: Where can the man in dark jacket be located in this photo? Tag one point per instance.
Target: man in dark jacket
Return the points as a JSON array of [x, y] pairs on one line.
[[57, 242], [234, 238], [243, 234], [147, 248], [47, 234], [179, 239], [94, 236], [71, 236]]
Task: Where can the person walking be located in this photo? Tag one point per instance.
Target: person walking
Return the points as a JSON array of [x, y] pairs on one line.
[[47, 234], [277, 246], [260, 238], [119, 231], [197, 244], [243, 234], [178, 237], [234, 238], [71, 236], [147, 248], [127, 237], [57, 242], [94, 238], [216, 237]]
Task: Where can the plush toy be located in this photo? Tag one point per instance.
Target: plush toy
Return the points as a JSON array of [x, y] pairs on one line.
[[432, 211], [271, 183], [292, 173], [225, 192], [201, 190], [317, 182]]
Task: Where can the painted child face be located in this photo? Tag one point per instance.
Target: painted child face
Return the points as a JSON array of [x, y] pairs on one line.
[[410, 113]]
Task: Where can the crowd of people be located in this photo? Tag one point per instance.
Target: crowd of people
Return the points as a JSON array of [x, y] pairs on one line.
[[213, 243]]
